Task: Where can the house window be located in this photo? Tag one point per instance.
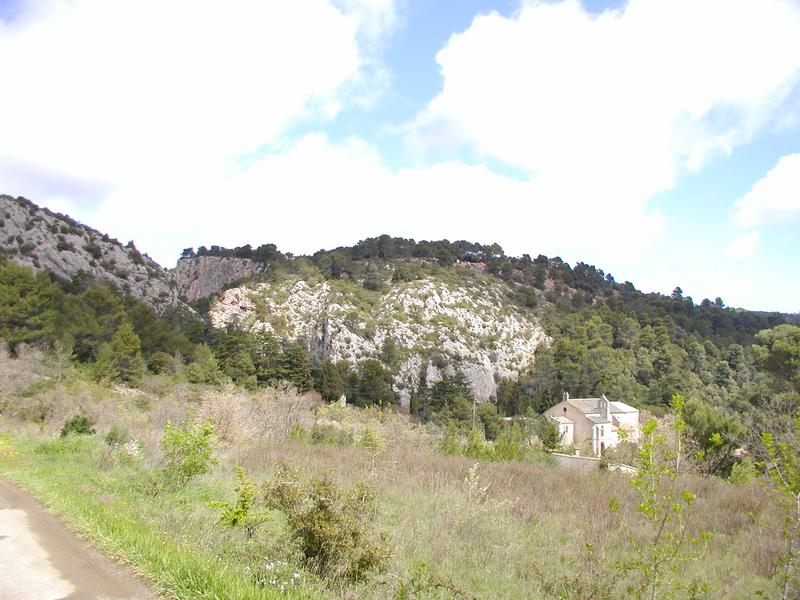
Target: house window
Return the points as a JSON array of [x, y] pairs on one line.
[[565, 409]]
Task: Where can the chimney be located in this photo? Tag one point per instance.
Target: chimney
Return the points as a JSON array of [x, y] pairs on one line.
[[566, 396]]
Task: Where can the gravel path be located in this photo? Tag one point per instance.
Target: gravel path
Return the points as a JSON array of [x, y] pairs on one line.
[[40, 559]]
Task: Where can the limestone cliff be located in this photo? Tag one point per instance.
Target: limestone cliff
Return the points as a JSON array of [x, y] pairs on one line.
[[202, 276], [434, 324]]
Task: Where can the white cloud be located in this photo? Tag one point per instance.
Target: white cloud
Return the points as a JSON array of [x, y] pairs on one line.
[[775, 198], [143, 111], [315, 194], [147, 93], [606, 111], [743, 247]]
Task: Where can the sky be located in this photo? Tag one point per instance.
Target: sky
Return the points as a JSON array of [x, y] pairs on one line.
[[659, 141]]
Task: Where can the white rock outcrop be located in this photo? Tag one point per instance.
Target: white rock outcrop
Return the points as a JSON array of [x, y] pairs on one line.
[[432, 323]]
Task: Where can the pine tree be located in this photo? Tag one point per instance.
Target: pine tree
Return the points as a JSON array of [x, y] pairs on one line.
[[121, 359], [234, 355], [204, 368], [374, 385], [27, 306]]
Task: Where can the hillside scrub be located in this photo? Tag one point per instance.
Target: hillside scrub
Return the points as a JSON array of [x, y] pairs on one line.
[[454, 527]]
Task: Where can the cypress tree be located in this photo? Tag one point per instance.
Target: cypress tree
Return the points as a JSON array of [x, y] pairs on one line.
[[331, 385], [298, 369]]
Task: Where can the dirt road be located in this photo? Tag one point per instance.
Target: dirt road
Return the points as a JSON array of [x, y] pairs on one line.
[[40, 559]]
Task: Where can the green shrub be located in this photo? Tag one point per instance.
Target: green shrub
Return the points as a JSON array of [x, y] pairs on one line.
[[298, 433], [116, 436], [334, 528], [510, 444], [331, 435], [161, 362], [661, 554], [187, 450], [370, 440], [79, 424], [476, 446], [426, 582], [547, 431]]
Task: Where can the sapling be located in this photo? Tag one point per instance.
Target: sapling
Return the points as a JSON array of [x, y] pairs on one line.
[[240, 513], [783, 468], [665, 506]]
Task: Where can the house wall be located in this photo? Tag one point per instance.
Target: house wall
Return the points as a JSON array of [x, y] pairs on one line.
[[582, 428], [629, 422], [603, 437], [567, 431]]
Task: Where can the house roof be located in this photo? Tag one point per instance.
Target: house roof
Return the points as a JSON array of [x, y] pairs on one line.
[[598, 419], [564, 420], [592, 405]]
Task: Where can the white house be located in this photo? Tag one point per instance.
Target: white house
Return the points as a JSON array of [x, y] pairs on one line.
[[594, 420]]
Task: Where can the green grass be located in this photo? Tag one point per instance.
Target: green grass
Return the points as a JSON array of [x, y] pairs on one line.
[[106, 507]]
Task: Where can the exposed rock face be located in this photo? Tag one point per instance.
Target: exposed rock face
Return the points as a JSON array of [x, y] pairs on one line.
[[432, 323], [43, 240], [203, 276]]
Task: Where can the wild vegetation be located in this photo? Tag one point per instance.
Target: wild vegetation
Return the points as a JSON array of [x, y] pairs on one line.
[[229, 448], [245, 492]]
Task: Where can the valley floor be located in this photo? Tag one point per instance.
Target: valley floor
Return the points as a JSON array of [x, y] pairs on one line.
[[453, 527]]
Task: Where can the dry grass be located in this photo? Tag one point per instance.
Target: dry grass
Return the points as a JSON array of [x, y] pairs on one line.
[[498, 530]]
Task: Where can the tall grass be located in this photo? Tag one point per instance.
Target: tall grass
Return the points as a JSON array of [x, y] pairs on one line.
[[496, 530]]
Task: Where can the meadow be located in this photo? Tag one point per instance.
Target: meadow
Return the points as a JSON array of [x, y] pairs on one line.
[[422, 524]]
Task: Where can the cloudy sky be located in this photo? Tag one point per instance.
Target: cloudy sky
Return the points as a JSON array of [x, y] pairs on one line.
[[657, 140]]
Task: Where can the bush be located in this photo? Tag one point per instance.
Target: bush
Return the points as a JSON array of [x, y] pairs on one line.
[[298, 433], [476, 446], [450, 444], [510, 444], [187, 450], [161, 362], [79, 425], [116, 436], [331, 435], [370, 440], [547, 431], [334, 528]]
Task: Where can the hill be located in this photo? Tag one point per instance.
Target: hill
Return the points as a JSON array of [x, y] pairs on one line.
[[417, 323], [55, 243]]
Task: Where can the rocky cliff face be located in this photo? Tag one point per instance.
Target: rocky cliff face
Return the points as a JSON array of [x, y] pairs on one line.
[[434, 325], [202, 276], [44, 240]]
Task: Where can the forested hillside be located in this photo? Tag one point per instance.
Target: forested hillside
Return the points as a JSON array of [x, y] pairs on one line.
[[604, 337]]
